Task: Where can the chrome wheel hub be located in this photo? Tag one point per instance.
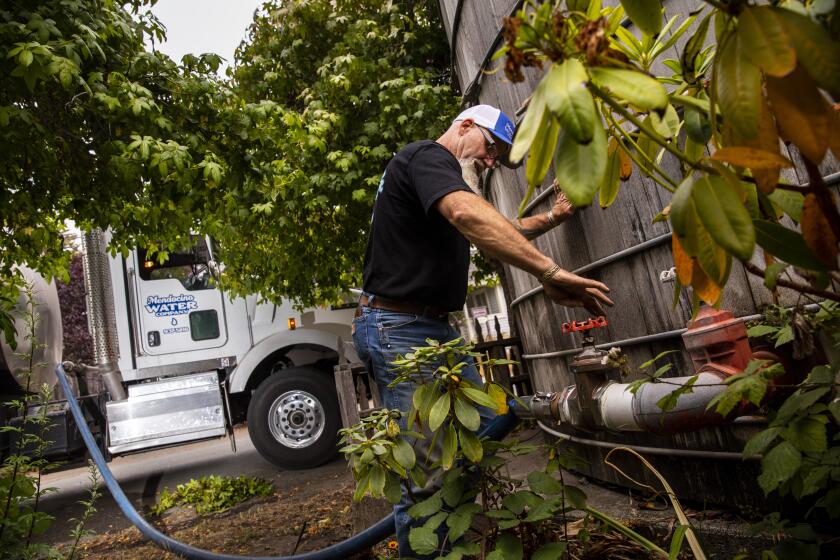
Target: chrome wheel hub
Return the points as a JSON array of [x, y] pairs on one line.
[[296, 419]]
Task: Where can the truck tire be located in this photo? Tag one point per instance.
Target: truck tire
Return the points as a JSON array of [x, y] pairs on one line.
[[294, 418]]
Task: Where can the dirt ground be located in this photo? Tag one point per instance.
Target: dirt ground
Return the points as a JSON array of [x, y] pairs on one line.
[[314, 510], [313, 514]]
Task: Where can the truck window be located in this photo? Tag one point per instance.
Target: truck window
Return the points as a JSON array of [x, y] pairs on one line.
[[189, 267], [204, 325]]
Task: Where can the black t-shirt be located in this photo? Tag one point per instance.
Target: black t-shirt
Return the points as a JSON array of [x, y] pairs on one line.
[[414, 254]]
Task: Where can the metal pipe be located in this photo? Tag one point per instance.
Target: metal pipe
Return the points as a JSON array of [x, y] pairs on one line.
[[664, 238], [545, 193], [670, 452], [639, 339], [621, 410], [830, 180], [626, 342], [102, 320]]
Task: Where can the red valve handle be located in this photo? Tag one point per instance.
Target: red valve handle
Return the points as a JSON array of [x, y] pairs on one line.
[[597, 322]]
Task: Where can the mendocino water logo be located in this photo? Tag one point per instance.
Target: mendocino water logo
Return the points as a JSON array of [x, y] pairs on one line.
[[170, 305]]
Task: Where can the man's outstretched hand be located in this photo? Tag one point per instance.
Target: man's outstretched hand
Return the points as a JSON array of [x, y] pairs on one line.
[[572, 290], [563, 208]]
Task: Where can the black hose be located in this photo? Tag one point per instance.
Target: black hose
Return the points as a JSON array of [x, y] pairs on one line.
[[364, 540]]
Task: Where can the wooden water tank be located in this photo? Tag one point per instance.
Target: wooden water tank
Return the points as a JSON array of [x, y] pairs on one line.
[[622, 247]]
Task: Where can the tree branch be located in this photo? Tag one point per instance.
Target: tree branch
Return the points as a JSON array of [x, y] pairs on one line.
[[802, 288]]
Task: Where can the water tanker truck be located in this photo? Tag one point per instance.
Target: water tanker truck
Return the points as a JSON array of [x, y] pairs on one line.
[[176, 360]]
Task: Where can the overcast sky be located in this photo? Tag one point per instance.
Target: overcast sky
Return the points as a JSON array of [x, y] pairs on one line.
[[202, 26]]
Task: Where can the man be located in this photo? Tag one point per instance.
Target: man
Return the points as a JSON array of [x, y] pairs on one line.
[[424, 219]]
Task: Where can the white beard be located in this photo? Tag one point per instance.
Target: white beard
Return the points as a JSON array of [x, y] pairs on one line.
[[471, 175]]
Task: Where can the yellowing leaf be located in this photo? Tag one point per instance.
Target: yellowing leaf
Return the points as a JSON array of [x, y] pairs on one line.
[[626, 168], [766, 43], [704, 287], [817, 231], [609, 186], [683, 262], [767, 140], [499, 397], [801, 112], [714, 261], [753, 158]]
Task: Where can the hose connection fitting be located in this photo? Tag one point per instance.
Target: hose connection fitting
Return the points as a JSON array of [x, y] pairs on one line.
[[591, 372]]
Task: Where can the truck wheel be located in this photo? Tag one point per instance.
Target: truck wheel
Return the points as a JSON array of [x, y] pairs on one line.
[[294, 418]]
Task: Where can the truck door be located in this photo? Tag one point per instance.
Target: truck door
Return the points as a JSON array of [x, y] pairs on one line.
[[178, 306]]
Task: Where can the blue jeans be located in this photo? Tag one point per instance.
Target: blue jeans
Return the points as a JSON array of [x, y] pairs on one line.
[[380, 338]]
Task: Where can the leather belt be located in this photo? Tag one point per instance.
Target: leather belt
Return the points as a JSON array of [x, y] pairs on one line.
[[378, 302]]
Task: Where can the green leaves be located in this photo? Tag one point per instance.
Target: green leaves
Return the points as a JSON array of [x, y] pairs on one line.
[[427, 507], [450, 447], [527, 130], [508, 547], [766, 43], [751, 384], [608, 189], [423, 540], [738, 85], [645, 14], [550, 551], [778, 465], [542, 149], [723, 214], [479, 397], [693, 48], [568, 99], [815, 49], [471, 446], [467, 415], [639, 89], [439, 412], [543, 483], [579, 168], [404, 454], [808, 434], [682, 206], [785, 244]]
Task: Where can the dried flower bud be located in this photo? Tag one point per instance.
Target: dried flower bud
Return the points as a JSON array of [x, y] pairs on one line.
[[511, 29], [592, 39]]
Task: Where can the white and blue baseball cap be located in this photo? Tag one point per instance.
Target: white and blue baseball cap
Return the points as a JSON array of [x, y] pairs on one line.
[[492, 119]]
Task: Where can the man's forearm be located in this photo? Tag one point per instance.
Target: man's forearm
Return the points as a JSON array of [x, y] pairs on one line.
[[532, 226], [491, 232]]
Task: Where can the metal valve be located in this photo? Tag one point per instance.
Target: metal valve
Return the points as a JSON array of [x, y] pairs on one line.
[[574, 326]]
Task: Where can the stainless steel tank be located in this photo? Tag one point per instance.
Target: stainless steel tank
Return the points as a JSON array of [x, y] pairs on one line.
[[47, 335]]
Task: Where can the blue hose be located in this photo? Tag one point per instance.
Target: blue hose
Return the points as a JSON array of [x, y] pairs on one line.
[[364, 540], [498, 429]]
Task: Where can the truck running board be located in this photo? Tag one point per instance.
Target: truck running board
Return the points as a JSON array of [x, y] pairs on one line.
[[166, 412]]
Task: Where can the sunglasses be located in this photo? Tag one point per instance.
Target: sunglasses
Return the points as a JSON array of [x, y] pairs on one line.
[[492, 148], [489, 144]]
